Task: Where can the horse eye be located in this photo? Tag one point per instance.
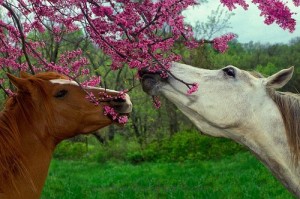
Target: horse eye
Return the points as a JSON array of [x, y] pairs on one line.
[[61, 93], [229, 71]]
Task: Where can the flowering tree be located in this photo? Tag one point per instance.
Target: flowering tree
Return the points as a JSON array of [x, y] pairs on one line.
[[129, 31]]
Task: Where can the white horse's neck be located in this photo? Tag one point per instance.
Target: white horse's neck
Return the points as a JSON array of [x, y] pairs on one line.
[[266, 139], [272, 149]]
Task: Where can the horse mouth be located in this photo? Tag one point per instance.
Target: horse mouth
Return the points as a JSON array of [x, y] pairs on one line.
[[151, 83], [122, 106], [118, 110]]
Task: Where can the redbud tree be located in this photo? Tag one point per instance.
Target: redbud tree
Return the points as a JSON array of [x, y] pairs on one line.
[[129, 31]]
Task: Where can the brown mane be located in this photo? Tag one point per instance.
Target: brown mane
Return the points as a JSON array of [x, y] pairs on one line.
[[17, 108]]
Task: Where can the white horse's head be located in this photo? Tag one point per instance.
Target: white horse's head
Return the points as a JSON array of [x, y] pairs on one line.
[[228, 100], [242, 106]]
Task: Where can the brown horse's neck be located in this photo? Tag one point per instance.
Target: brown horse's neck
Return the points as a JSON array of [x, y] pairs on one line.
[[27, 155]]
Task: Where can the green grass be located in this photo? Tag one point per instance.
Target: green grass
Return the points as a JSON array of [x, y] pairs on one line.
[[237, 176]]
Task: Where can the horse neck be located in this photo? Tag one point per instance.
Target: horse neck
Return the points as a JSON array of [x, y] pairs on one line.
[[36, 148], [267, 140]]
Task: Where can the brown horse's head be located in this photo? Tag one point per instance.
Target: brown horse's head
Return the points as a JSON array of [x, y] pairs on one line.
[[46, 109], [63, 105]]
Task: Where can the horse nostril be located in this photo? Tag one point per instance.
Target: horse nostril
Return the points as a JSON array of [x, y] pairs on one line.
[[148, 82], [119, 100], [121, 104]]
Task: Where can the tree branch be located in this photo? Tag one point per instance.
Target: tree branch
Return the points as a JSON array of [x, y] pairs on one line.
[[16, 19]]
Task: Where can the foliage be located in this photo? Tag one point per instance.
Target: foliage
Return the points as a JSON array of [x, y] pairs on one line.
[[238, 176], [186, 146], [182, 147], [137, 34], [69, 150]]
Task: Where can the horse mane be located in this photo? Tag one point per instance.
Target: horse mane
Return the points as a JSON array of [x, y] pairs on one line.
[[19, 107], [289, 106]]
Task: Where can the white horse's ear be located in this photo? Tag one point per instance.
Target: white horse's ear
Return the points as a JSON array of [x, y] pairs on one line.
[[280, 78]]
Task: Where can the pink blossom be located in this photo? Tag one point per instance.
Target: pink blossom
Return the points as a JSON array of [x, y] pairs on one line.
[[296, 2], [231, 4], [105, 96], [123, 119], [221, 43], [129, 32], [109, 111], [277, 11], [93, 81], [156, 102], [193, 89], [102, 11], [38, 26]]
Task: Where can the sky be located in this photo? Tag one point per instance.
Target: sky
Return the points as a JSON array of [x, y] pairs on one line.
[[248, 25]]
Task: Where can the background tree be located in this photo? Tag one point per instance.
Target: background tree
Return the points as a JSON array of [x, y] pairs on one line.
[[129, 32], [115, 39]]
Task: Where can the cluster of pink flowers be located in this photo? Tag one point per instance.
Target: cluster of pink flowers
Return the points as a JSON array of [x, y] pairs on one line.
[[193, 89], [104, 96], [273, 11], [221, 43], [276, 11], [127, 34], [156, 102], [109, 111], [296, 2], [130, 32], [72, 64], [231, 4], [92, 81]]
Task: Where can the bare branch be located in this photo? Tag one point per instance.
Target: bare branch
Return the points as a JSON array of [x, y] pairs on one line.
[[16, 19]]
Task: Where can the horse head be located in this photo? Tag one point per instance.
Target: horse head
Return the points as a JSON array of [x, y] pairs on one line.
[[227, 99], [242, 106], [64, 105]]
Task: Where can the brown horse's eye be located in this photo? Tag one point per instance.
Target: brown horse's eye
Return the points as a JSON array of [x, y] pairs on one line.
[[61, 93]]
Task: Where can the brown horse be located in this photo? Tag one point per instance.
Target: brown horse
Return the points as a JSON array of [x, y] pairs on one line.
[[46, 109]]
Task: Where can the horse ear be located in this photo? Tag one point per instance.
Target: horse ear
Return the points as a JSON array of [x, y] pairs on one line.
[[19, 83], [23, 74], [280, 78]]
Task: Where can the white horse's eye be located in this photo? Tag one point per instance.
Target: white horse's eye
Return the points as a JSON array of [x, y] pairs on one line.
[[229, 71]]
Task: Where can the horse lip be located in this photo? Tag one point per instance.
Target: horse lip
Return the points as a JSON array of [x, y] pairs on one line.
[[122, 107]]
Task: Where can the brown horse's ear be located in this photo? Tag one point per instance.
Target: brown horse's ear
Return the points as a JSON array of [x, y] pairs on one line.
[[19, 83], [23, 74]]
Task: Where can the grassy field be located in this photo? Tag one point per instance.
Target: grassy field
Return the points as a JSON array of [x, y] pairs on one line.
[[238, 176]]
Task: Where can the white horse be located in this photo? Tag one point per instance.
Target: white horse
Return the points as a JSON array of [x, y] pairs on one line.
[[242, 106]]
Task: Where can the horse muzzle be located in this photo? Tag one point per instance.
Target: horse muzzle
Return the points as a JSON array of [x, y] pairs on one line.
[[122, 105], [151, 82]]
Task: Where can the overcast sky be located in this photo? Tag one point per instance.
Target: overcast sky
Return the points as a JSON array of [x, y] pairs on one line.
[[248, 25]]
